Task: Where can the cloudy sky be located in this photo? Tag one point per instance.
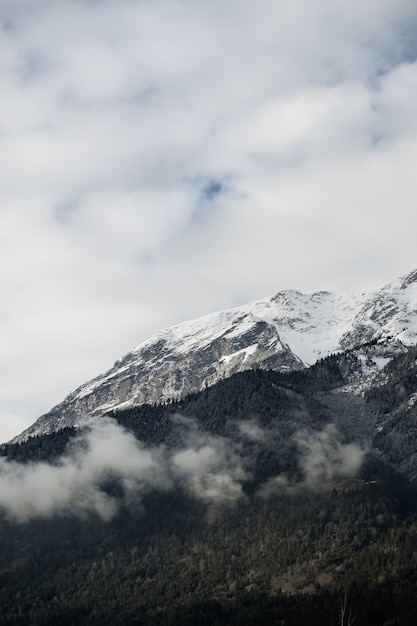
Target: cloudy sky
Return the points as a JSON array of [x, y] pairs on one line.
[[163, 159]]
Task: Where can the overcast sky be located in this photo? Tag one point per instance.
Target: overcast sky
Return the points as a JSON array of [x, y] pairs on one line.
[[163, 159]]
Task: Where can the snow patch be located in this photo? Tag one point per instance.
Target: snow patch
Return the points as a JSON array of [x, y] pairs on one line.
[[245, 352]]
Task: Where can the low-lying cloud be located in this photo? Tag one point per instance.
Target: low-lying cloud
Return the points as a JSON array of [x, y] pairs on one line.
[[207, 467], [210, 468], [75, 484], [252, 431], [323, 459]]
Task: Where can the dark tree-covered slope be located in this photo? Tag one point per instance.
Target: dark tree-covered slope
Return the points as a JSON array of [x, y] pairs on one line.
[[280, 549]]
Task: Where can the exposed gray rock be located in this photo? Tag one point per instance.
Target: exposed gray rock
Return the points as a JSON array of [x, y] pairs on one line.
[[287, 331]]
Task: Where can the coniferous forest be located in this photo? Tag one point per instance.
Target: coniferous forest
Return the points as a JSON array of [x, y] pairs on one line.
[[283, 550]]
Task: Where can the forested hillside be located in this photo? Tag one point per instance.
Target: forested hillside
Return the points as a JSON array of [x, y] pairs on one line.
[[173, 560], [260, 503]]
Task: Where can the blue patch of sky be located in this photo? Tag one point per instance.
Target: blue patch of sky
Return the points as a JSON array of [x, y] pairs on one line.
[[212, 190], [206, 193]]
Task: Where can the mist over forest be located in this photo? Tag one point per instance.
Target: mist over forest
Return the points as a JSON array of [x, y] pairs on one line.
[[249, 501]]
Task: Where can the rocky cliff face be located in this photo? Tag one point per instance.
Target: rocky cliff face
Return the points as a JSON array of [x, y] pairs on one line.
[[289, 330]]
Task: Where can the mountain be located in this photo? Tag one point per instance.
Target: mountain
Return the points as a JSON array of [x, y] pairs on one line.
[[281, 489], [255, 501], [285, 332]]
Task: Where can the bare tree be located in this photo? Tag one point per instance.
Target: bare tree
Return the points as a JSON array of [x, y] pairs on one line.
[[346, 616]]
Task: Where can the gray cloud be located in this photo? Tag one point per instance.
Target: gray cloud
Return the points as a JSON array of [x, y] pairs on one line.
[[74, 485], [210, 468], [207, 467], [212, 189], [252, 431], [110, 112], [323, 460]]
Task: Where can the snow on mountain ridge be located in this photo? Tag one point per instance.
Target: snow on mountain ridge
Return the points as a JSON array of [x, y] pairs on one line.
[[285, 331]]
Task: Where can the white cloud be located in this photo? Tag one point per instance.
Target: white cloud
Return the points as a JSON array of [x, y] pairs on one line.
[[114, 118], [208, 467], [252, 431], [75, 484], [211, 470], [323, 460]]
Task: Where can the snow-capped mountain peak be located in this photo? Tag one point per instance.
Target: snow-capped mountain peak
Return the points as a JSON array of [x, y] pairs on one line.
[[286, 331]]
